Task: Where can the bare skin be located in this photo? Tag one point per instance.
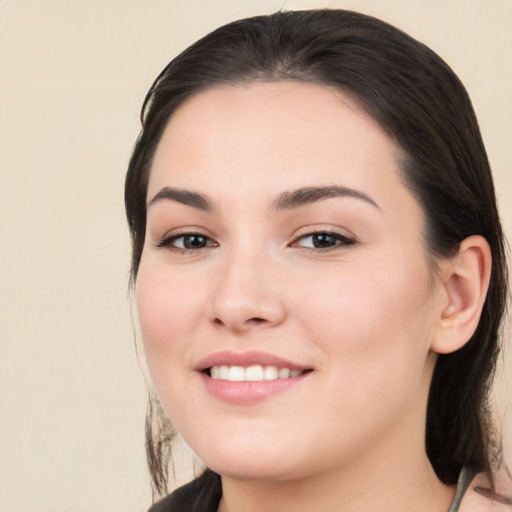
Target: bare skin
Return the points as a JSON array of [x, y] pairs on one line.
[[339, 284]]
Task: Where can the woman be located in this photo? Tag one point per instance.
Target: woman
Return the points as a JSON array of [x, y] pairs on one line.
[[319, 270]]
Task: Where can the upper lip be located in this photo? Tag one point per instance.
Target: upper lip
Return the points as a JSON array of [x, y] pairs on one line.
[[249, 358]]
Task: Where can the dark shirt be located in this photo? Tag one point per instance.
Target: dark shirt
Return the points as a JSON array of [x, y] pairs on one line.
[[201, 495]]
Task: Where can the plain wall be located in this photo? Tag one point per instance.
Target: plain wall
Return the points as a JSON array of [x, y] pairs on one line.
[[73, 75]]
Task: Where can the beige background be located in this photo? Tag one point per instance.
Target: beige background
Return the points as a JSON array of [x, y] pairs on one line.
[[72, 78]]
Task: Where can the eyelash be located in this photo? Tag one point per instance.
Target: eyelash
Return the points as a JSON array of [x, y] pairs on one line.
[[167, 242], [340, 241]]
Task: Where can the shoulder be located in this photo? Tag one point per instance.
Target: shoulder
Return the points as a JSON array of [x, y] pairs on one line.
[[479, 498], [201, 495]]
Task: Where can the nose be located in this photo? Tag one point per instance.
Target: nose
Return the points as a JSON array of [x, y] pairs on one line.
[[246, 294]]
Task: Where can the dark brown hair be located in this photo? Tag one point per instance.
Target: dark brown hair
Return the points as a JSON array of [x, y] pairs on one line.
[[422, 105]]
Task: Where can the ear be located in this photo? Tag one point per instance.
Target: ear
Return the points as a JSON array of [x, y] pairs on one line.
[[465, 280]]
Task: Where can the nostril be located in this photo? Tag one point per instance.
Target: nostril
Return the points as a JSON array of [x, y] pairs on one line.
[[256, 320]]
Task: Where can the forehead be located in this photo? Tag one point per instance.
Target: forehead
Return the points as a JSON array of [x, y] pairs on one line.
[[286, 112], [271, 135]]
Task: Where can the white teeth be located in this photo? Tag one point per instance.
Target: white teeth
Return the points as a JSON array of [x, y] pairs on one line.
[[224, 373], [236, 373], [252, 373], [284, 373], [271, 373]]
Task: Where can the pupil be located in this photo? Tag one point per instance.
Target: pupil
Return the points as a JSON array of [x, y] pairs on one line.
[[194, 242], [323, 240]]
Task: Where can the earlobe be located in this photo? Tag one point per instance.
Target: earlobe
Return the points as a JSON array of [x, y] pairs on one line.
[[465, 278]]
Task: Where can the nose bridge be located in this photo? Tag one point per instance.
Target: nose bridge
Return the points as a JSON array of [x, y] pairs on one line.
[[246, 292]]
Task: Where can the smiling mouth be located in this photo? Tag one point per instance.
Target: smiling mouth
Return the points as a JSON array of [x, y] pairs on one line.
[[253, 373]]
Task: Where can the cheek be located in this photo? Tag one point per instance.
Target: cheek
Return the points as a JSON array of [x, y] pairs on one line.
[[167, 309], [167, 318], [375, 329], [371, 316]]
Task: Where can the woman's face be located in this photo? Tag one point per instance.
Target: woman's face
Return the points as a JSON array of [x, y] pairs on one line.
[[282, 243]]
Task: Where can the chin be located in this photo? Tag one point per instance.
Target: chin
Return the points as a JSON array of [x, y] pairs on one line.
[[260, 470], [249, 463]]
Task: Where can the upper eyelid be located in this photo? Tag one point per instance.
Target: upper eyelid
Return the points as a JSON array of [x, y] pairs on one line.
[[309, 231], [177, 232]]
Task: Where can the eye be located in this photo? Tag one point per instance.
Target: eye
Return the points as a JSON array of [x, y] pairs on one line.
[[187, 242], [323, 241]]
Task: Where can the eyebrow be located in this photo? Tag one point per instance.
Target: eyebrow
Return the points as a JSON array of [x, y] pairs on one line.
[[286, 201], [308, 195], [187, 197]]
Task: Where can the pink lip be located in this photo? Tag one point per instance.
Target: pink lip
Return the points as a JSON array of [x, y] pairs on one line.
[[245, 393], [248, 358]]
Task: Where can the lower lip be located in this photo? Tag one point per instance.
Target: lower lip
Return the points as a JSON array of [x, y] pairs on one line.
[[249, 392]]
